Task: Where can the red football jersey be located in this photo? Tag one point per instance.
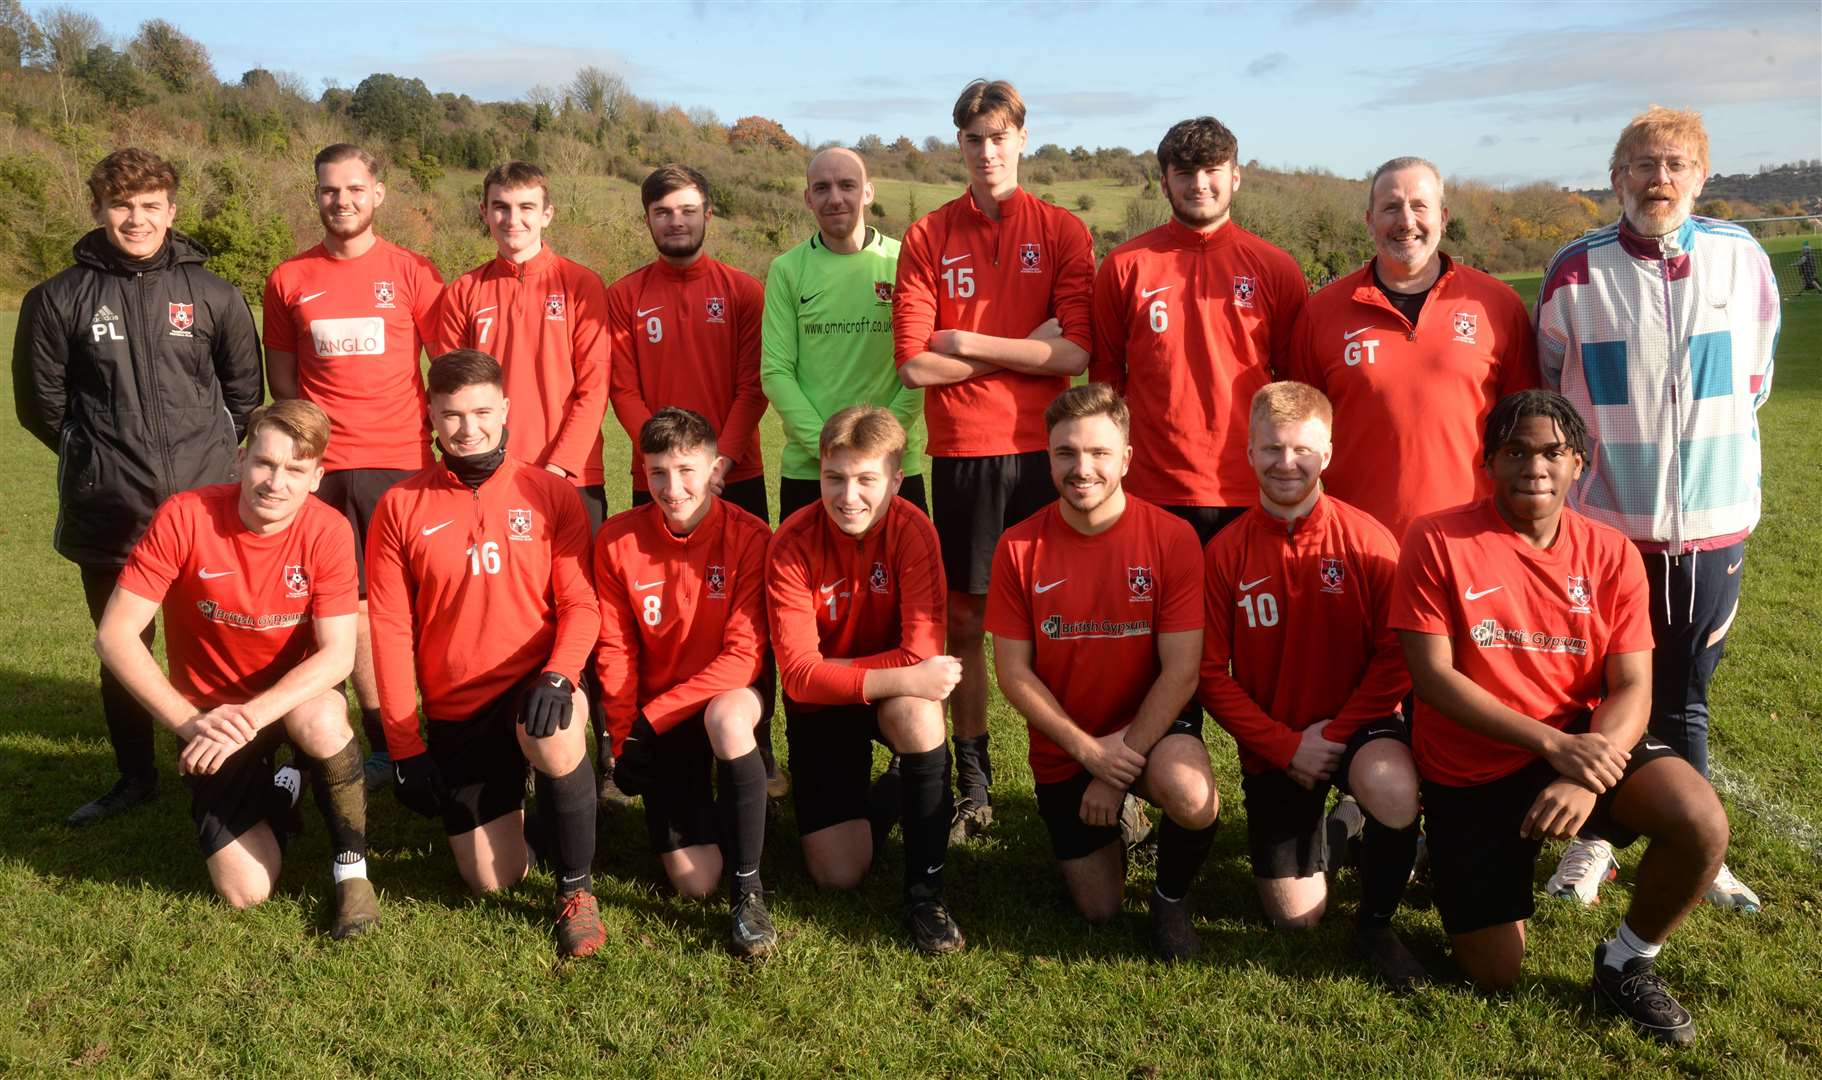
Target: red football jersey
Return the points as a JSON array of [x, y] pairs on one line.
[[469, 592], [960, 270], [1410, 401], [1296, 629], [682, 617], [237, 605], [1188, 326], [546, 323], [689, 338], [357, 327], [1533, 628], [878, 600], [1093, 606]]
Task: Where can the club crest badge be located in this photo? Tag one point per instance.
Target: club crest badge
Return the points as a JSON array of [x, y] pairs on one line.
[[717, 309], [383, 294], [518, 524], [882, 290], [1243, 291], [717, 582], [553, 306], [1581, 600], [297, 582], [879, 580], [1139, 581], [1332, 574], [183, 316], [1466, 324], [1031, 259]]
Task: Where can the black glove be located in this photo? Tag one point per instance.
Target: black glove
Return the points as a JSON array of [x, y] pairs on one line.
[[546, 707], [636, 763], [418, 784]]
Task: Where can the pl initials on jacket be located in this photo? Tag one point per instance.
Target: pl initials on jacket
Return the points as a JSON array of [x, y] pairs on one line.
[[140, 374], [1665, 346]]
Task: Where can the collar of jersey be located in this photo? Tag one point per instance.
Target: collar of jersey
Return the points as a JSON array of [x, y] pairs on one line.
[[710, 523], [445, 478], [1299, 530], [1184, 236], [688, 273], [1365, 291], [1640, 246], [532, 267], [1009, 207]]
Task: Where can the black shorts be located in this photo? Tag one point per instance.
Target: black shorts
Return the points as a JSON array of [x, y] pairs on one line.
[[676, 785], [1482, 868], [748, 494], [355, 492], [1286, 833], [236, 797], [594, 504], [482, 766], [1207, 520], [1060, 805], [978, 498], [794, 495], [831, 759]]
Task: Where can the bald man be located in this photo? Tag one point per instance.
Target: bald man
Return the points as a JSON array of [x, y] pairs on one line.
[[828, 330]]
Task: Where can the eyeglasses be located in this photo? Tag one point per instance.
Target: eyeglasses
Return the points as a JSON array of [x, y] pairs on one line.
[[1646, 168]]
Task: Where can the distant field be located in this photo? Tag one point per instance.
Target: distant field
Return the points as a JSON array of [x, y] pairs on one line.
[[1108, 212]]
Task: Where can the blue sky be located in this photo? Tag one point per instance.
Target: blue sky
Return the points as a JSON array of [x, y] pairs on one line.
[[1506, 92]]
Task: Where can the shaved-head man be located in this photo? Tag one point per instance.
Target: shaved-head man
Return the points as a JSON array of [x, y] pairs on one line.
[[828, 329]]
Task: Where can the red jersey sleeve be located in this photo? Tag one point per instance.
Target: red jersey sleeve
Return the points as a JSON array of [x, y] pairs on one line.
[[449, 323], [1630, 618], [1420, 596], [914, 294], [1386, 681], [923, 594], [280, 332], [736, 436], [589, 352], [806, 675], [1300, 361], [1107, 363], [1290, 294], [337, 586], [1072, 297], [1008, 596], [1518, 368], [1183, 605], [390, 602], [1237, 713], [629, 403], [743, 644], [158, 557], [617, 660], [426, 295], [578, 618]]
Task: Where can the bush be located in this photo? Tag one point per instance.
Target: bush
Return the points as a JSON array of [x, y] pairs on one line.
[[1084, 202]]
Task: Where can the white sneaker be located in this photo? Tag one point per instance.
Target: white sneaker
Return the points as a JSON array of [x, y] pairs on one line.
[[1728, 892], [1585, 865]]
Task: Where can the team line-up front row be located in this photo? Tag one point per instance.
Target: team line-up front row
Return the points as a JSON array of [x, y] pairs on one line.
[[1522, 625]]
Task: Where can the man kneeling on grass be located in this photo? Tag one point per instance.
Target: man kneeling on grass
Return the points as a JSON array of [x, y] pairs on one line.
[[1526, 629], [1095, 609], [681, 582], [479, 595], [257, 583], [855, 596]]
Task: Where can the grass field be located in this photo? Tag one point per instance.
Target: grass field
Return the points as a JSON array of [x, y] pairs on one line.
[[117, 962]]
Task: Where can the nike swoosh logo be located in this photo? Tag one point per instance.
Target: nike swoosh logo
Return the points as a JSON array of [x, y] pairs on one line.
[[933, 869], [1649, 745], [312, 296], [1734, 568], [208, 575], [1245, 585], [947, 260], [807, 299], [648, 311], [1472, 595], [831, 586], [745, 873], [432, 530], [1040, 588], [1351, 335], [1147, 293], [641, 586]]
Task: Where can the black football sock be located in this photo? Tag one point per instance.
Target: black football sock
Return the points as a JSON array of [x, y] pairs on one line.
[[924, 811], [740, 806], [1181, 853], [763, 735], [374, 730], [336, 784], [1386, 857], [567, 802], [883, 799], [973, 769]]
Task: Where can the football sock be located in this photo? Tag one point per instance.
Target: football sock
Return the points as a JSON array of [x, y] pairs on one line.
[[568, 803], [883, 799], [973, 769], [740, 804], [924, 811], [1181, 852], [374, 730], [1386, 857], [1624, 945], [355, 866], [341, 796], [763, 736]]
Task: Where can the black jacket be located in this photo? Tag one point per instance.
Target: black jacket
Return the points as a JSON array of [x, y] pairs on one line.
[[140, 375]]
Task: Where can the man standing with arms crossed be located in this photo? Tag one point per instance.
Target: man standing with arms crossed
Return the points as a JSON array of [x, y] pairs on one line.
[[482, 603], [828, 330], [991, 313], [138, 368], [1096, 616], [256, 580], [1660, 329], [345, 324], [1190, 320]]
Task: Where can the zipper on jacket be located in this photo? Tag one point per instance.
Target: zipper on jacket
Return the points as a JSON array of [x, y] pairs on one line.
[[149, 394], [1674, 476]]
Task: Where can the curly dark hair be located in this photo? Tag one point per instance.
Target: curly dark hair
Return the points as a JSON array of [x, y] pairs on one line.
[[1512, 408], [1197, 144]]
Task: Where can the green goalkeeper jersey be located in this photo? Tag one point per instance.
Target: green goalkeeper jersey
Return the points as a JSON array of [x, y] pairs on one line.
[[828, 345]]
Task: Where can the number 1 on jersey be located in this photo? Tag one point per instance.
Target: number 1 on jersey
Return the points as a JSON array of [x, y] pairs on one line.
[[484, 559], [960, 282]]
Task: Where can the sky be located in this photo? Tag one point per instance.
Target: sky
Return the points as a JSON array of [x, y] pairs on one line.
[[1507, 93]]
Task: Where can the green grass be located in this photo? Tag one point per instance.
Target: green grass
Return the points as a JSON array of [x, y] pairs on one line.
[[118, 963]]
